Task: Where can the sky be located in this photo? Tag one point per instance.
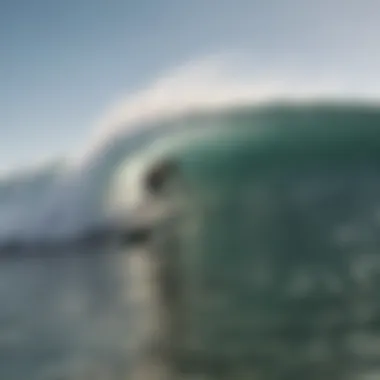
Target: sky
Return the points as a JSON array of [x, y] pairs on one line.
[[64, 63]]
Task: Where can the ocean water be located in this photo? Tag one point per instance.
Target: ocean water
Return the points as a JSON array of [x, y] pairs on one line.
[[77, 304], [65, 316]]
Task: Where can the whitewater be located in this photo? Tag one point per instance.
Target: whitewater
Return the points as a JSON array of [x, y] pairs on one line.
[[65, 198]]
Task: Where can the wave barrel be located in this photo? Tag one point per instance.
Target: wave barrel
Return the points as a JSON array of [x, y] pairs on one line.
[[268, 266]]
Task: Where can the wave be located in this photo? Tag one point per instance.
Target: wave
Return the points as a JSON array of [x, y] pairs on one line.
[[65, 199]]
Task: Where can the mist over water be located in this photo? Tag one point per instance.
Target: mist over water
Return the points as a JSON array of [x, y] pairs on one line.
[[65, 198]]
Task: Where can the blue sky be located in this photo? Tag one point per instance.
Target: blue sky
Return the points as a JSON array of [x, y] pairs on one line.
[[64, 62]]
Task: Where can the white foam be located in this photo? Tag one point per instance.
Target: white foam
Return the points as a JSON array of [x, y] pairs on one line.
[[200, 85]]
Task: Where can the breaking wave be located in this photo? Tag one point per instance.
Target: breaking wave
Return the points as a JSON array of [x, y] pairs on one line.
[[64, 199]]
